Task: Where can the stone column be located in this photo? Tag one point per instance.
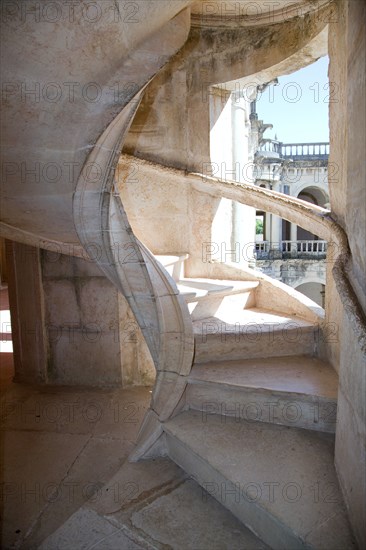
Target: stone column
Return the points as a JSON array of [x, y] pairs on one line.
[[293, 236], [222, 167], [293, 232], [243, 231], [26, 302]]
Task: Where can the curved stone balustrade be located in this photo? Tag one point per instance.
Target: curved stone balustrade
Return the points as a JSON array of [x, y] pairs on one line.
[[175, 354], [310, 217]]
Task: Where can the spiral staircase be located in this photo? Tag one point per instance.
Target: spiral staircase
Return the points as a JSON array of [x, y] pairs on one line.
[[244, 400]]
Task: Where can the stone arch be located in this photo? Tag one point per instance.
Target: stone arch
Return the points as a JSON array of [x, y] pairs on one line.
[[313, 289], [315, 195]]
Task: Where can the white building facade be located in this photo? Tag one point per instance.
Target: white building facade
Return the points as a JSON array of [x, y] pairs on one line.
[[284, 250]]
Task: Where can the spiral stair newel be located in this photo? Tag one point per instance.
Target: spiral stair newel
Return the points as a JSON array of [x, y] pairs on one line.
[[162, 315]]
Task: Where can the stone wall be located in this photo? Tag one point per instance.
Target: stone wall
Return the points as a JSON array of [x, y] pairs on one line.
[[82, 323], [294, 272], [93, 338], [70, 324], [348, 201]]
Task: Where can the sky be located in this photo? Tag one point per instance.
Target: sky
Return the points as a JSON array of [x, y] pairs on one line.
[[298, 106]]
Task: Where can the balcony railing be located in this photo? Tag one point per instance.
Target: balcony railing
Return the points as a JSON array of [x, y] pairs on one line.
[[295, 151], [305, 150], [270, 146], [265, 250]]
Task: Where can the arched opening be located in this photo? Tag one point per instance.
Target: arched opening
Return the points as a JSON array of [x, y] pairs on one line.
[[313, 290], [316, 196]]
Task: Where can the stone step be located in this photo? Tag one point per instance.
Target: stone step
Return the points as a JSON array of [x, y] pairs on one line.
[[253, 333], [210, 297], [207, 297], [174, 264], [279, 481], [297, 391]]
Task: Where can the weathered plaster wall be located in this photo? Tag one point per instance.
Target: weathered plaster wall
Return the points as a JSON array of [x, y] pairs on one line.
[[348, 201]]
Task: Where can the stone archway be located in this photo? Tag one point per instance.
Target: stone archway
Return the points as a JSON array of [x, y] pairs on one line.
[[313, 290], [314, 195]]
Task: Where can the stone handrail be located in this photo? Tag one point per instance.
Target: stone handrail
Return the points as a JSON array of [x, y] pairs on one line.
[[309, 216]]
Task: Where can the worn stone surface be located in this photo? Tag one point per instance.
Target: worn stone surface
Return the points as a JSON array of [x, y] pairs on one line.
[[253, 332], [298, 374], [157, 509], [31, 478], [293, 391], [266, 475], [60, 446], [188, 517], [86, 529]]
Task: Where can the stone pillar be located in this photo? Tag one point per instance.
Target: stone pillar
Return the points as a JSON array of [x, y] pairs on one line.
[[3, 269], [267, 227], [233, 226], [243, 216], [293, 236], [347, 52], [26, 300], [293, 232], [275, 236], [222, 167], [276, 229]]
